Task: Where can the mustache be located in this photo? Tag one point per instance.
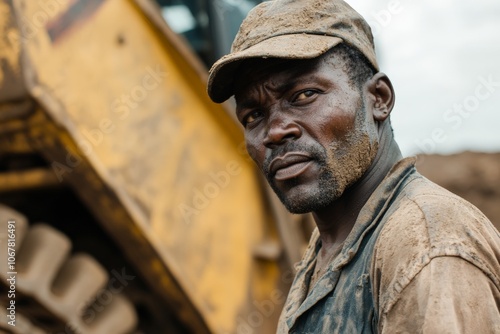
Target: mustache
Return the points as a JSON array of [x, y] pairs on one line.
[[314, 150]]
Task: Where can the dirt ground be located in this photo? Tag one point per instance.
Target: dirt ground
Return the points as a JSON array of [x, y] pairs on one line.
[[473, 176]]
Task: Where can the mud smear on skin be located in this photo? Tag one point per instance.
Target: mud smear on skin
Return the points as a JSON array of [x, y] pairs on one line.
[[349, 166], [342, 164], [349, 162]]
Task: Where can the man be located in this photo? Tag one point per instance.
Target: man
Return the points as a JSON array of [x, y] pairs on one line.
[[392, 252]]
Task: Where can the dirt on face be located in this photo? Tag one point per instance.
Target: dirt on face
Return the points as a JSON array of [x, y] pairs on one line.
[[349, 162], [341, 165], [473, 176], [331, 125]]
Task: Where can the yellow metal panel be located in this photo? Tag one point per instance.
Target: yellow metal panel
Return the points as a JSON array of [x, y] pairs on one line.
[[138, 113]]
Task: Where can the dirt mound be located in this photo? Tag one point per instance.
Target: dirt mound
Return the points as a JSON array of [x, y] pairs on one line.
[[473, 176]]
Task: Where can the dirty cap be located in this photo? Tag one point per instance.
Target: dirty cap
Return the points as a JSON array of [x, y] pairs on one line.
[[291, 29]]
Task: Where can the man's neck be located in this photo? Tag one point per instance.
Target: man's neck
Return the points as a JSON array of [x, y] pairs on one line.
[[336, 221]]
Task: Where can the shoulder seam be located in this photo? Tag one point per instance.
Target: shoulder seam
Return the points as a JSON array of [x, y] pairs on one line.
[[404, 281], [430, 253]]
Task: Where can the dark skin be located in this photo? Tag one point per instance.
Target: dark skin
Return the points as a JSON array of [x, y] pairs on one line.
[[290, 110]]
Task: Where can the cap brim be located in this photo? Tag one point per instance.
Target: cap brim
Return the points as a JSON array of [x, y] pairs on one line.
[[293, 46]]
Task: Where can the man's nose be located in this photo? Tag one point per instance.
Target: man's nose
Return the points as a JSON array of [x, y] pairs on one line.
[[281, 129]]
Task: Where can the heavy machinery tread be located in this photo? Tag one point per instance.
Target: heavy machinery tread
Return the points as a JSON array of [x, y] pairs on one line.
[[71, 292]]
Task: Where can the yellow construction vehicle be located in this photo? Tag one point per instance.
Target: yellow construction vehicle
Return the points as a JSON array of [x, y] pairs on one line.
[[128, 203]]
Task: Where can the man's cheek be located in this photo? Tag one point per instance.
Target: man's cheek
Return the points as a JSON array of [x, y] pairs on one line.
[[255, 154]]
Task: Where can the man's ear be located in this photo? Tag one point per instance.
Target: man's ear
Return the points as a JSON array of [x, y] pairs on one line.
[[381, 96]]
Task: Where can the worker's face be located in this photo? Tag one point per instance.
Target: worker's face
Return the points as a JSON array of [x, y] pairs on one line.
[[307, 129]]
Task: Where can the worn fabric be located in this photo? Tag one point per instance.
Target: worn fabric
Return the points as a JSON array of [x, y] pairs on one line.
[[419, 259]]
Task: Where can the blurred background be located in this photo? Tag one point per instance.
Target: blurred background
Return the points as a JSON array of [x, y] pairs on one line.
[[437, 55], [136, 207]]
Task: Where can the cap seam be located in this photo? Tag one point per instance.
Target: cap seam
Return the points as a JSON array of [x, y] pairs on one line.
[[292, 33]]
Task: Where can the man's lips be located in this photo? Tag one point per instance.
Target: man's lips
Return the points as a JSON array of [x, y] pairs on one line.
[[290, 165]]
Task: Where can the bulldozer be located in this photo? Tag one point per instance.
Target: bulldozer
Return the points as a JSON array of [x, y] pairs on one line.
[[128, 203]]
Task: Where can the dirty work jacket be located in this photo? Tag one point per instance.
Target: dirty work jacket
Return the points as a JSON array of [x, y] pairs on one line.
[[419, 259]]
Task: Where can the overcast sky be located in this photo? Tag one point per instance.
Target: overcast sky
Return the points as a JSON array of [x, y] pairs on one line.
[[443, 57]]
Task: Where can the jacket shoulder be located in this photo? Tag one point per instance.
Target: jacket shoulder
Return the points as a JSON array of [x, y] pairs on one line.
[[426, 221]]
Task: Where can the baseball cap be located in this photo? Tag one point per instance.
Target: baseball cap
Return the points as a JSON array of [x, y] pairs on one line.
[[291, 29]]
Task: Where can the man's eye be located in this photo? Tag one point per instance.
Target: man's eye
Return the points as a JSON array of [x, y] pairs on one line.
[[304, 95], [252, 117]]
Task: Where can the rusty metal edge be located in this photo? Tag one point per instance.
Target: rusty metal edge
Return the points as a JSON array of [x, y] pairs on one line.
[[160, 279], [117, 219]]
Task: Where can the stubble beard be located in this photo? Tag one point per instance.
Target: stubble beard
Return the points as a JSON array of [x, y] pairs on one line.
[[341, 165]]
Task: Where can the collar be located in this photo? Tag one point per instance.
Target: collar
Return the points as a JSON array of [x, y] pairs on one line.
[[368, 218]]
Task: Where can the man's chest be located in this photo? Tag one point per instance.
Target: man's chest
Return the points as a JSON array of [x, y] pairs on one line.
[[341, 301]]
